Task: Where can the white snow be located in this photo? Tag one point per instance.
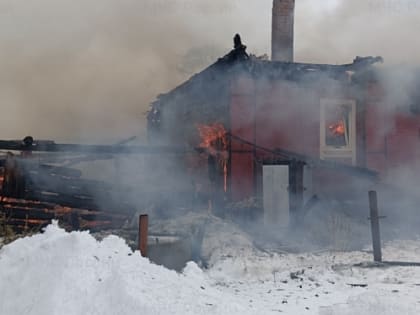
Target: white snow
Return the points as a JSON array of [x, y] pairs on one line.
[[72, 273]]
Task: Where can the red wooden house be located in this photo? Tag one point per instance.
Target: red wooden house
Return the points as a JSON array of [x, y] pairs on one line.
[[285, 131]]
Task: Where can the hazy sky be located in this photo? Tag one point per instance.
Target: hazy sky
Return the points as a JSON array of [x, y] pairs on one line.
[[88, 69]]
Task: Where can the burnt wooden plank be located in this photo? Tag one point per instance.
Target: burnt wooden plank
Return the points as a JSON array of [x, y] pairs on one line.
[[51, 146], [36, 214]]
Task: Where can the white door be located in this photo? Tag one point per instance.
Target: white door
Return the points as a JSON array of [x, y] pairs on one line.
[[276, 195]]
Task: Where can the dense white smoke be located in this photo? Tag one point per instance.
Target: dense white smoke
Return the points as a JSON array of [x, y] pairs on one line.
[[87, 70], [335, 31]]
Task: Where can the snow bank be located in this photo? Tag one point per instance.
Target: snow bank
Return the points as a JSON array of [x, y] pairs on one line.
[[72, 273]]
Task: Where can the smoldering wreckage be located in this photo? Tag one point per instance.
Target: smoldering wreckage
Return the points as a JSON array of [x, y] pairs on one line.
[[272, 145]]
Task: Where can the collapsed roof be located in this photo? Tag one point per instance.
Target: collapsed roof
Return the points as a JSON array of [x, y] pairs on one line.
[[213, 80]]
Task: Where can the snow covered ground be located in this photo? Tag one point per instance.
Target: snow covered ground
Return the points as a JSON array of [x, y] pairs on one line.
[[72, 273]]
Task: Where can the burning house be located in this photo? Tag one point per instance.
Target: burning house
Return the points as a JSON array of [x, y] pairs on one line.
[[277, 134], [285, 131]]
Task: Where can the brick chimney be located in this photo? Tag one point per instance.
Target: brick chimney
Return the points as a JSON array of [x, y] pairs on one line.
[[282, 30]]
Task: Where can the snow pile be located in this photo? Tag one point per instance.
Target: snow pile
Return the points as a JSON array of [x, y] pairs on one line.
[[72, 273]]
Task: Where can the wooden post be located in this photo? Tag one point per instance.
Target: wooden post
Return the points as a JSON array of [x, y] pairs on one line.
[[296, 192], [75, 221], [374, 223], [143, 232]]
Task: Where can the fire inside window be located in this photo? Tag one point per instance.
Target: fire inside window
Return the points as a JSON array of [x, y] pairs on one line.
[[338, 130], [337, 125]]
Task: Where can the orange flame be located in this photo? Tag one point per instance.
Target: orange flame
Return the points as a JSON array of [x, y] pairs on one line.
[[214, 139], [210, 134], [337, 129]]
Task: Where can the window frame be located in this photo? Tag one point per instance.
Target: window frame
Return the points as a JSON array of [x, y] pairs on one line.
[[330, 151]]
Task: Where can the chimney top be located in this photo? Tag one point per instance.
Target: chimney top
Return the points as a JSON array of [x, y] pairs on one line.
[[282, 40]]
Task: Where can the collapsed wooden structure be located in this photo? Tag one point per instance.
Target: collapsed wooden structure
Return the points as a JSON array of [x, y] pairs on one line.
[[33, 193], [38, 187]]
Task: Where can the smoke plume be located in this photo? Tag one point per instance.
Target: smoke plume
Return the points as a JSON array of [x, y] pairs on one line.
[[87, 70]]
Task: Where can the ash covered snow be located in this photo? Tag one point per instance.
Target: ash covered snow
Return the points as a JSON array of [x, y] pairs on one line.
[[72, 273]]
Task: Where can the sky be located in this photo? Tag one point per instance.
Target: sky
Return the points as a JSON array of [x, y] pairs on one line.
[[87, 70]]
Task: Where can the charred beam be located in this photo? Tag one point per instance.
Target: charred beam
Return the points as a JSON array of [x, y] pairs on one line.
[[44, 182], [70, 201], [60, 170], [79, 201], [27, 223], [51, 146], [31, 214], [41, 178], [27, 203]]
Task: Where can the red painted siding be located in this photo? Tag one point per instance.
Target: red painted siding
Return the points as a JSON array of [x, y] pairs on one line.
[[272, 114], [280, 114], [377, 126], [242, 113], [392, 135], [404, 141]]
